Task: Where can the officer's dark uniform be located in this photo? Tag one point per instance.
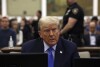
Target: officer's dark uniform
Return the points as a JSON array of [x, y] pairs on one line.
[[74, 34]]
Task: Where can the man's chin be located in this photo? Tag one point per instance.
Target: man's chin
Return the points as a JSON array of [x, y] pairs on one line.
[[53, 43]]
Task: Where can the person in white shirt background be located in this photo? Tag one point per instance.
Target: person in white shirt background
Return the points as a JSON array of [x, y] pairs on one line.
[[92, 38], [19, 34]]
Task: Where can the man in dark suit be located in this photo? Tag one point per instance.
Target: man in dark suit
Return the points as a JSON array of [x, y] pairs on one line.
[[92, 38], [63, 51]]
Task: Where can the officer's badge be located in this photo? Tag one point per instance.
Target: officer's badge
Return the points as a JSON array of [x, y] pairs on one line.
[[75, 10]]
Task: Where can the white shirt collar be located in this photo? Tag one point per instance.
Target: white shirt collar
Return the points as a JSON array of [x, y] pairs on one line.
[[46, 46]]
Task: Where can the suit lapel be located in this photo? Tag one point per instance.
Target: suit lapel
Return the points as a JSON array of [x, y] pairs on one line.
[[58, 54], [96, 35], [39, 47], [88, 39]]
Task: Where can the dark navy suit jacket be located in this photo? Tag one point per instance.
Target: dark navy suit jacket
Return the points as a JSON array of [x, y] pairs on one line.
[[87, 39], [64, 59]]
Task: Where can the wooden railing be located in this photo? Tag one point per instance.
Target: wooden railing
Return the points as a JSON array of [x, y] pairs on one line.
[[94, 51]]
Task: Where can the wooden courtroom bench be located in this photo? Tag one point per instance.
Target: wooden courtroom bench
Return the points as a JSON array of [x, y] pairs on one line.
[[94, 51]]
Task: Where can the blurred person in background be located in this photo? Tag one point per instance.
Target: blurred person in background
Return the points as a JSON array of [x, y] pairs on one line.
[[25, 29], [92, 38], [98, 26], [0, 23], [86, 24], [6, 32], [30, 22], [96, 20], [73, 19], [0, 20], [35, 23], [19, 34]]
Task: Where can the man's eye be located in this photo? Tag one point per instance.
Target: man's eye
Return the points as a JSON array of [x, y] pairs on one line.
[[46, 30], [54, 29]]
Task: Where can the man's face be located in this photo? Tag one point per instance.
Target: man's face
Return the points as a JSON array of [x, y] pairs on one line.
[[69, 2], [15, 25], [4, 23], [50, 34], [92, 27]]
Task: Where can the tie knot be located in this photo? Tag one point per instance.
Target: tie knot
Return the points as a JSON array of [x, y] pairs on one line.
[[50, 49]]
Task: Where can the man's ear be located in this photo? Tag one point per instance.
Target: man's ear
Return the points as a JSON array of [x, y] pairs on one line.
[[40, 33]]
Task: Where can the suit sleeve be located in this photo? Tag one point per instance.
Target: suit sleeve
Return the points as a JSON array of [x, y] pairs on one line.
[[24, 48], [75, 53]]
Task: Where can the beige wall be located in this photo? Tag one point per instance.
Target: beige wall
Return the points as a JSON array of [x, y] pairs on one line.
[[99, 7], [60, 2], [17, 7]]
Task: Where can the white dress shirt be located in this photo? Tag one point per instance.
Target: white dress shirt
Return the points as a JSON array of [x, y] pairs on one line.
[[19, 37], [92, 39], [46, 48]]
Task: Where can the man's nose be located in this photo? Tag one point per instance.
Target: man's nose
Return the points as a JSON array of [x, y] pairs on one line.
[[51, 32]]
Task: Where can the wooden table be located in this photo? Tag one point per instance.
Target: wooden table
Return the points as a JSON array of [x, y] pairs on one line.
[[8, 50], [94, 51], [88, 48]]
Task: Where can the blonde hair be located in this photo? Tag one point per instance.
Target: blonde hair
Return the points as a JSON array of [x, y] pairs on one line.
[[48, 20]]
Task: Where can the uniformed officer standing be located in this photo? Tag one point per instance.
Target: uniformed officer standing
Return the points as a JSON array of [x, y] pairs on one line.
[[73, 23]]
